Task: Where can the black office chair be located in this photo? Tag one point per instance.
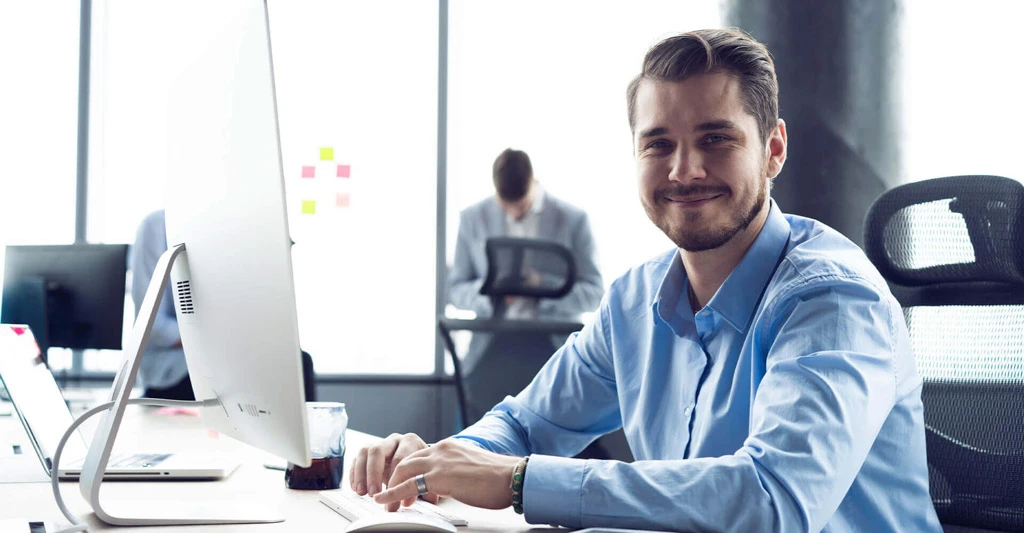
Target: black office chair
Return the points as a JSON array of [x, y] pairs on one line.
[[508, 352], [952, 250]]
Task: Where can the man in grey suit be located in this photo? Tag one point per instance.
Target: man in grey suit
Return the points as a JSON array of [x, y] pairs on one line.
[[522, 208]]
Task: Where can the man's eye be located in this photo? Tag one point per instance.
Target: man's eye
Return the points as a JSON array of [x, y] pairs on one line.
[[659, 144], [714, 138]]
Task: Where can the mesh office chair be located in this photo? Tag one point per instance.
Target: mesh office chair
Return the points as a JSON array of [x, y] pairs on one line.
[[952, 249], [512, 349]]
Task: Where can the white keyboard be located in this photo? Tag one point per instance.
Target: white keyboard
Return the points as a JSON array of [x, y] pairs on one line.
[[353, 507]]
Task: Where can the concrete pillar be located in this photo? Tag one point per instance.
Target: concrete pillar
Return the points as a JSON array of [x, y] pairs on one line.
[[839, 92]]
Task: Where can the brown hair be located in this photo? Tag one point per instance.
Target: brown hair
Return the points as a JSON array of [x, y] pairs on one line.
[[706, 51], [512, 174]]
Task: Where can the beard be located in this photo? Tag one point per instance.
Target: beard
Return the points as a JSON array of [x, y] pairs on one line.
[[686, 233]]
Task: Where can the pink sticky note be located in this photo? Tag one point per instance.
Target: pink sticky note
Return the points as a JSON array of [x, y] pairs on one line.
[[343, 200], [308, 172], [344, 171]]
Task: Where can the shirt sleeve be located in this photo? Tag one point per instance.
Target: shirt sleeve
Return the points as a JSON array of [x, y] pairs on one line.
[[547, 416], [150, 244], [828, 386], [464, 281]]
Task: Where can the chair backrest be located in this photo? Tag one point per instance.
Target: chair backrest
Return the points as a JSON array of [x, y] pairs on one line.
[[505, 354], [952, 250], [526, 267]]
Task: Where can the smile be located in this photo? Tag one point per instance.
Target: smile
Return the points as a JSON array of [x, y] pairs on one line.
[[692, 201]]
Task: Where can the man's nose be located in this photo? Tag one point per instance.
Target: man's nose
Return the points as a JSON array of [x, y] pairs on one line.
[[686, 165]]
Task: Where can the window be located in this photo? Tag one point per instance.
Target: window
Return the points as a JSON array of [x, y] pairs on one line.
[[38, 122], [962, 104], [38, 126], [357, 104], [357, 100], [550, 78]]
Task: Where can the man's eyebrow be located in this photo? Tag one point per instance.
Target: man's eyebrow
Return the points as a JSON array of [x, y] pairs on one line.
[[653, 132], [716, 125]]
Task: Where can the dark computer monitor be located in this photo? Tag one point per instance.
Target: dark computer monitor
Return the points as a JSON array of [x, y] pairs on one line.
[[72, 295]]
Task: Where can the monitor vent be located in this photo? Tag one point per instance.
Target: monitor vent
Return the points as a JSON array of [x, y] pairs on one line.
[[251, 409], [184, 290]]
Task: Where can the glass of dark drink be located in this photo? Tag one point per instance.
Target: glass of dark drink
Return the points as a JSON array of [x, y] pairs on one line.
[[326, 423]]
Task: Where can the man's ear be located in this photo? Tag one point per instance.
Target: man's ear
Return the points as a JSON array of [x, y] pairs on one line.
[[776, 149]]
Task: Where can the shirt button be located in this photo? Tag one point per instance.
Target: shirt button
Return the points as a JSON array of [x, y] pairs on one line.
[[687, 410]]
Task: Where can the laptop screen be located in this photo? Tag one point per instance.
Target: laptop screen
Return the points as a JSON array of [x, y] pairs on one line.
[[35, 395]]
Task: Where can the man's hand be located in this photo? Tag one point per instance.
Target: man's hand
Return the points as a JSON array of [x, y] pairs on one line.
[[452, 469], [533, 278], [375, 464]]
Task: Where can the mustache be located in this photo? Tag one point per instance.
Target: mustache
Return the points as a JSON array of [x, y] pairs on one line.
[[678, 189]]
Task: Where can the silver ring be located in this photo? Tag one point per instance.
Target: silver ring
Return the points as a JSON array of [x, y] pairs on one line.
[[421, 485]]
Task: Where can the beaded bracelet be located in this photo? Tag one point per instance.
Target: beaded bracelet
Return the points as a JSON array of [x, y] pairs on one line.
[[518, 475]]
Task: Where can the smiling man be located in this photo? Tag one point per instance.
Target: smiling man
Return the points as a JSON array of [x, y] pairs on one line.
[[761, 369]]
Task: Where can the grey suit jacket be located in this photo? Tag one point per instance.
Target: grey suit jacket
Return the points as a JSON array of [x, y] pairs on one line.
[[559, 222]]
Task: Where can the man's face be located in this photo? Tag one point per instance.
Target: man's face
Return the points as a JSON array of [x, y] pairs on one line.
[[517, 209], [702, 168]]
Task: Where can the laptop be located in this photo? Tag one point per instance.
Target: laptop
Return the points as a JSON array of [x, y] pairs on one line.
[[44, 414]]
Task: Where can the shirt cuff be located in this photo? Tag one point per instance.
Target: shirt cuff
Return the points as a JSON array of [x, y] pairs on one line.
[[469, 439], [553, 490]]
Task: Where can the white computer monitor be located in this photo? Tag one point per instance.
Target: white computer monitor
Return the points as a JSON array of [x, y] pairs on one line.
[[225, 202], [229, 259]]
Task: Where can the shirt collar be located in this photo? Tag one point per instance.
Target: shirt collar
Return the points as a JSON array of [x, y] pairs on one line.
[[741, 291], [535, 207], [671, 300], [736, 298], [538, 199]]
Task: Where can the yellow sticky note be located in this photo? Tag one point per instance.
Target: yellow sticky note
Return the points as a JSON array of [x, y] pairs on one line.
[[327, 154], [309, 207]]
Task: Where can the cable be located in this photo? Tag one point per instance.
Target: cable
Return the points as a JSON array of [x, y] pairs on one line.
[[77, 525]]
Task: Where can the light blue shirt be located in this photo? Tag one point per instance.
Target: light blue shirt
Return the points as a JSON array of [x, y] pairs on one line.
[[163, 364], [798, 411]]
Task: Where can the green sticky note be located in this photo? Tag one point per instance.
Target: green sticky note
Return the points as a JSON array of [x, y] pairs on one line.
[[327, 154], [309, 207]]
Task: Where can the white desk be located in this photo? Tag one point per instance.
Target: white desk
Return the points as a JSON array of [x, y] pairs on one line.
[[142, 427]]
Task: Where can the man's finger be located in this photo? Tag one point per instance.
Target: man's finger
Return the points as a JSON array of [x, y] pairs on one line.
[[405, 503], [394, 495], [376, 458], [357, 477], [409, 469]]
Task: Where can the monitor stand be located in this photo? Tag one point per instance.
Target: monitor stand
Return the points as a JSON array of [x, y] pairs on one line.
[[155, 512]]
